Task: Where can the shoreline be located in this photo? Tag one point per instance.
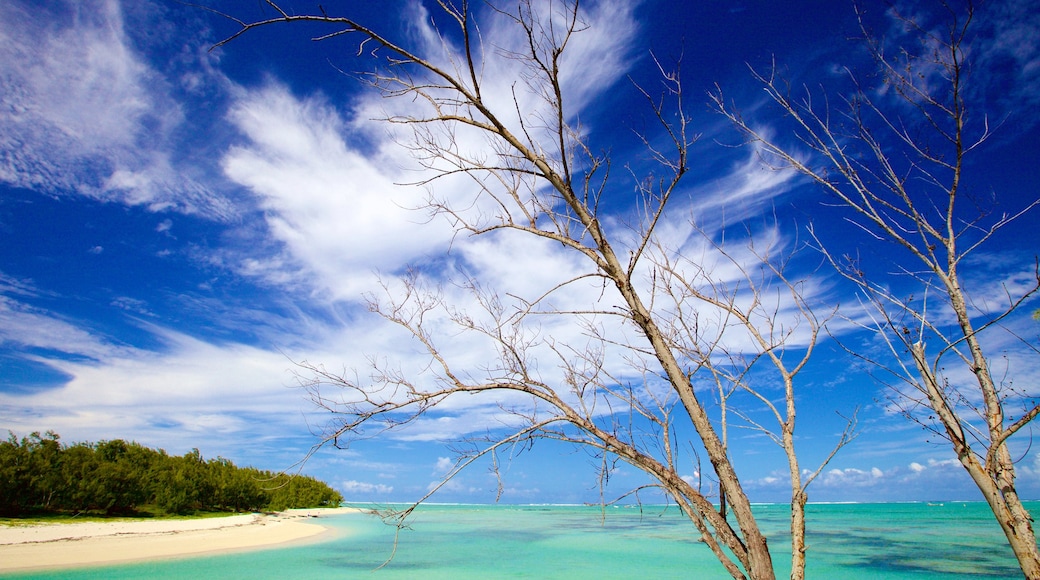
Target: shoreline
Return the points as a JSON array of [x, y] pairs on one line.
[[75, 545]]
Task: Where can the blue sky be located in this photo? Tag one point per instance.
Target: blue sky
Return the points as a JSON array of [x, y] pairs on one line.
[[179, 225]]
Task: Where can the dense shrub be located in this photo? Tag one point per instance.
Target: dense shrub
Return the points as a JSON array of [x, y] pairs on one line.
[[38, 474]]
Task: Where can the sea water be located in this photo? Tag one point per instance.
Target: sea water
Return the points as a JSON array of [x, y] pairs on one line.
[[846, 541]]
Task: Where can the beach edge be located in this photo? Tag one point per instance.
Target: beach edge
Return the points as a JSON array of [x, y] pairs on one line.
[[77, 545]]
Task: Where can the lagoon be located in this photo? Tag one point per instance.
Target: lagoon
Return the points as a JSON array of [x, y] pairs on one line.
[[848, 541]]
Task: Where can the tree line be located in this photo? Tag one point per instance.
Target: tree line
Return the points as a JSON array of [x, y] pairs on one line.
[[41, 475]]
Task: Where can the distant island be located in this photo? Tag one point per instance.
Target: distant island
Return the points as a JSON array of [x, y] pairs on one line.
[[39, 475]]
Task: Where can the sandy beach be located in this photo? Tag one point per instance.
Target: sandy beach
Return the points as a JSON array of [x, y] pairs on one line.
[[61, 545]]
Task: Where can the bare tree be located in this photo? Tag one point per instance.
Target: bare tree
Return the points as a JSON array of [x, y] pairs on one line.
[[896, 157], [668, 342]]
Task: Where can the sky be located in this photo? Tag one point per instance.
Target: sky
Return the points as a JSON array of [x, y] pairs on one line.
[[180, 225]]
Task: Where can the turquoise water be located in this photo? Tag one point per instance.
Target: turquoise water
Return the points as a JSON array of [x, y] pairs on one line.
[[847, 541]]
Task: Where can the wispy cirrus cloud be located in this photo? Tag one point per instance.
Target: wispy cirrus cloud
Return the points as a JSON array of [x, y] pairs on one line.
[[81, 110], [328, 175], [24, 326], [1008, 46], [328, 179], [1002, 57], [172, 397], [328, 197]]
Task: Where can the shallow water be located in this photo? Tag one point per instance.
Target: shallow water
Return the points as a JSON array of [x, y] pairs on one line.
[[848, 541]]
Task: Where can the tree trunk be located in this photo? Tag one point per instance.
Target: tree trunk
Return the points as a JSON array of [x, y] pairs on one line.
[[1013, 517], [759, 563], [996, 478], [798, 536], [1020, 534]]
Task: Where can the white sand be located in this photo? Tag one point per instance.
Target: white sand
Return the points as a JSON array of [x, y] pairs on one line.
[[83, 544]]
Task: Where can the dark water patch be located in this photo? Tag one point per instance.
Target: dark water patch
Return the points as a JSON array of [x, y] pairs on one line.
[[948, 569]]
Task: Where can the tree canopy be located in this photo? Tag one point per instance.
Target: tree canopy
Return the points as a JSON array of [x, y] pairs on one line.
[[41, 475]]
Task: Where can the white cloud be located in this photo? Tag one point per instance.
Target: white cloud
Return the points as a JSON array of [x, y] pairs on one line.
[[25, 326], [202, 389], [187, 388], [83, 112], [748, 187], [597, 57], [337, 211], [944, 464], [852, 477], [996, 280], [455, 485], [444, 465], [1000, 53], [361, 487], [81, 79], [326, 178], [916, 471], [1029, 469]]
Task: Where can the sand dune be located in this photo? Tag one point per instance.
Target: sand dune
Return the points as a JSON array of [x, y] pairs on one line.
[[82, 544]]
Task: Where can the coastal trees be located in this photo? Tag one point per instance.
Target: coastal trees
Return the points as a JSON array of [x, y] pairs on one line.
[[38, 474], [665, 321], [14, 475], [184, 485], [897, 157]]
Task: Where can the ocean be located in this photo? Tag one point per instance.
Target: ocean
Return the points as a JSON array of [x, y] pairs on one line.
[[846, 541]]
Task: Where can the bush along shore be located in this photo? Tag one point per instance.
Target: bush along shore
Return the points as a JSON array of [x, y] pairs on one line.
[[39, 475]]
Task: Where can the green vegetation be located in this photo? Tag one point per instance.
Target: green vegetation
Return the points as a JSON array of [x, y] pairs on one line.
[[40, 475]]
